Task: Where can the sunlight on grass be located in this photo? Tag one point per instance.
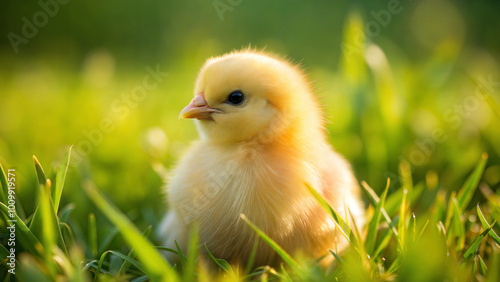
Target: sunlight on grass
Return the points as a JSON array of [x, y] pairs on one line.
[[421, 134]]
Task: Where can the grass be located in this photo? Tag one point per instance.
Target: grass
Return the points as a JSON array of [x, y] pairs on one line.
[[434, 221], [453, 239]]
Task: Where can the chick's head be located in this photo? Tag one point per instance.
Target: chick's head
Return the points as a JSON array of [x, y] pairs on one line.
[[245, 95]]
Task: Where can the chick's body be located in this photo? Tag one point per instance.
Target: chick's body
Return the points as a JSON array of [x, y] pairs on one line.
[[262, 140]]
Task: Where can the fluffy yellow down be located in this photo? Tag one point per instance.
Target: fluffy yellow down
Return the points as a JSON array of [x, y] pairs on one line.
[[254, 159]]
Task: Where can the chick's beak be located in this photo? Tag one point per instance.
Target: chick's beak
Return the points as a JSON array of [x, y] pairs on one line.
[[198, 108]]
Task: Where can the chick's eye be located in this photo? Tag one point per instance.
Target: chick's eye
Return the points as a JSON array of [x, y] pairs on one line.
[[235, 98]]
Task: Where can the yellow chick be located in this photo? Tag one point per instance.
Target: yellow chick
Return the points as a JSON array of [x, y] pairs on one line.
[[262, 137]]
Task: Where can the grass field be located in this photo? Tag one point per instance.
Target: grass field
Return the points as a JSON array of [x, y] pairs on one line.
[[446, 241], [422, 136]]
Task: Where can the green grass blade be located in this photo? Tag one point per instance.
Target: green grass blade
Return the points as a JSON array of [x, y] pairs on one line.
[[67, 233], [423, 228], [155, 265], [48, 229], [60, 178], [65, 213], [220, 262], [485, 224], [353, 49], [493, 200], [393, 201], [91, 264], [130, 260], [181, 255], [345, 229], [20, 210], [405, 174], [4, 253], [371, 236], [482, 266], [285, 273], [476, 243], [35, 224], [394, 266], [4, 188], [194, 243], [442, 229], [140, 279], [360, 247], [473, 269], [92, 235], [370, 193], [27, 239], [412, 227], [167, 249], [131, 254], [402, 222], [260, 271], [467, 191], [281, 252], [459, 228], [385, 239], [4, 191], [449, 211], [38, 224], [48, 234], [375, 200], [40, 174], [494, 271], [251, 258], [337, 258]]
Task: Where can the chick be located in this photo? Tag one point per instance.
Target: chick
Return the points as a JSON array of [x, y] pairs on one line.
[[262, 137]]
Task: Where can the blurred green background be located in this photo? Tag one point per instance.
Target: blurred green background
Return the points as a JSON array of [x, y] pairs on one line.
[[400, 81]]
